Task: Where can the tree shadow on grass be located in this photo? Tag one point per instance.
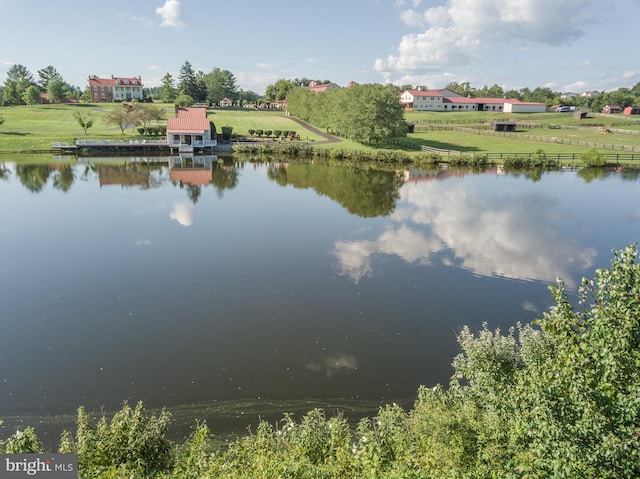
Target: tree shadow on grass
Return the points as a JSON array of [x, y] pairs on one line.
[[15, 133], [444, 145]]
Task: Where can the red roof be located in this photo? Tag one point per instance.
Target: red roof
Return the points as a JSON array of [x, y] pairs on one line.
[[425, 92], [189, 120], [188, 124], [115, 81], [199, 112], [189, 176]]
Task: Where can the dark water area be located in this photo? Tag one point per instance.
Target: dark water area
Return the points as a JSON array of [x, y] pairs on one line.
[[236, 289]]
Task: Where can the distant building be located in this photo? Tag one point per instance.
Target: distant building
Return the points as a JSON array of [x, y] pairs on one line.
[[632, 110], [612, 109], [503, 125], [226, 102], [447, 100], [115, 89], [317, 88]]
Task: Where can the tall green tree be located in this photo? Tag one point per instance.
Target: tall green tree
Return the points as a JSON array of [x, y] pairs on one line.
[[280, 90], [220, 84], [167, 91], [56, 90], [371, 113], [187, 81], [48, 74], [19, 78], [31, 95]]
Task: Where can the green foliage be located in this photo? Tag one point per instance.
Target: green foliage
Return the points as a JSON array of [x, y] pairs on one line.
[[121, 117], [226, 132], [132, 442], [56, 90], [31, 95], [23, 442], [183, 100], [194, 458], [592, 158], [85, 121], [583, 397], [168, 91], [364, 113]]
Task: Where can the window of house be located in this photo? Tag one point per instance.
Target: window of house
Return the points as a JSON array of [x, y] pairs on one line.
[[176, 137], [198, 137], [95, 88]]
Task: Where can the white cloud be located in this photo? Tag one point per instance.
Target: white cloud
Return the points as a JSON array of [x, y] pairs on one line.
[[629, 75], [145, 242], [463, 30], [172, 14], [183, 213], [334, 364]]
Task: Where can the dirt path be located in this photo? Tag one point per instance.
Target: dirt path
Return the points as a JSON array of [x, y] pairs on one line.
[[327, 137]]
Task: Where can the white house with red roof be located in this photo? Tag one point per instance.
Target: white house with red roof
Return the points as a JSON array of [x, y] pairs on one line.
[[190, 130], [447, 100], [115, 89]]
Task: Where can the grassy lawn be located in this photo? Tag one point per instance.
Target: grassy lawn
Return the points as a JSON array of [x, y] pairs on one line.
[[34, 128], [244, 120], [472, 142]]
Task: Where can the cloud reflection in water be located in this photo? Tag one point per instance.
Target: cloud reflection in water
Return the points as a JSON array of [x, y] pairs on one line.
[[183, 212], [490, 233]]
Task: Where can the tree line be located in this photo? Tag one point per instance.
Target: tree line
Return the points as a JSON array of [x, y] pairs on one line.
[[22, 88]]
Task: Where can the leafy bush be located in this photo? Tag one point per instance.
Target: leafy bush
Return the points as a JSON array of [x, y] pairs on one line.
[[131, 442], [23, 442], [592, 158], [226, 132]]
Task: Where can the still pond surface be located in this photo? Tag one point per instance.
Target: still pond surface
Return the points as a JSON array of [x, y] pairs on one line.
[[222, 282]]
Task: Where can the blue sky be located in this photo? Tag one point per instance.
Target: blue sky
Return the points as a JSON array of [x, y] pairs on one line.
[[567, 45]]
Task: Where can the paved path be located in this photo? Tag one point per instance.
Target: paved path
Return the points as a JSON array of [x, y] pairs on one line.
[[327, 137]]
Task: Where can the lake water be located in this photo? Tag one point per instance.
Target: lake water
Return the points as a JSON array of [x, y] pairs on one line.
[[186, 284]]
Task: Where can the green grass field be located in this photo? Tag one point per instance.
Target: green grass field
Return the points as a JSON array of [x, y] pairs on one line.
[[34, 128]]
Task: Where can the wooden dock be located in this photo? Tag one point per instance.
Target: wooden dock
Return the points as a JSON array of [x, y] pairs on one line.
[[125, 146]]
